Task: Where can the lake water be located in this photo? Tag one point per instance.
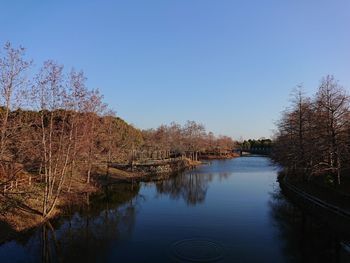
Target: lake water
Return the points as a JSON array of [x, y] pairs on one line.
[[228, 211]]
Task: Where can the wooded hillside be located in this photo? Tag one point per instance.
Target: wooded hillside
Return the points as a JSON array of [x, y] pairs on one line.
[[54, 131]]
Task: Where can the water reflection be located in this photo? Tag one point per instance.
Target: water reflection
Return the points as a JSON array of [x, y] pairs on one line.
[[191, 187], [305, 239], [50, 250], [236, 211], [107, 219]]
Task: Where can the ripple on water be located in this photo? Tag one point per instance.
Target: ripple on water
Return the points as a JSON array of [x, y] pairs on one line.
[[197, 250]]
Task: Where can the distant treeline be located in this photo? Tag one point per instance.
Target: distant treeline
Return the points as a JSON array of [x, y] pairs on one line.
[[191, 137], [256, 144], [261, 146], [53, 127], [313, 135]]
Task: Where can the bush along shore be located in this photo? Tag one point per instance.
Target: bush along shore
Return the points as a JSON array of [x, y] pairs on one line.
[[59, 140]]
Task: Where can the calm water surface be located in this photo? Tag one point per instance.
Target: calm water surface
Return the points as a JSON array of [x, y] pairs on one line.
[[229, 211]]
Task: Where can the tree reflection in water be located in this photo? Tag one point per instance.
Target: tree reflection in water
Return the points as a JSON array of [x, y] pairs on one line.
[[305, 238], [191, 187], [106, 220]]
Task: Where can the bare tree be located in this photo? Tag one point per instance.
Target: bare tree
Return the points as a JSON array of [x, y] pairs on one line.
[[94, 108], [13, 67], [332, 108], [56, 133], [313, 135], [75, 104]]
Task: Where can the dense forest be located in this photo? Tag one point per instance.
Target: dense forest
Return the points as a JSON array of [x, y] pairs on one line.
[[313, 135], [54, 131]]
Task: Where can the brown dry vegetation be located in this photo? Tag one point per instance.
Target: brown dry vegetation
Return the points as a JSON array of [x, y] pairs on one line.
[[58, 139], [313, 137]]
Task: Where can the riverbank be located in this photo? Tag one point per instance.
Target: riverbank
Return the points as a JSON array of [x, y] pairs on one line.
[[178, 214], [219, 156], [23, 211], [156, 170], [338, 195], [331, 206]]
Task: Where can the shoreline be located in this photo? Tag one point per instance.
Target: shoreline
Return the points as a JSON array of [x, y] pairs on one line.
[[331, 213], [21, 222], [219, 157]]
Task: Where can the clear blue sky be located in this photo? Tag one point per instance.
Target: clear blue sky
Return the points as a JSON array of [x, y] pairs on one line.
[[228, 64]]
